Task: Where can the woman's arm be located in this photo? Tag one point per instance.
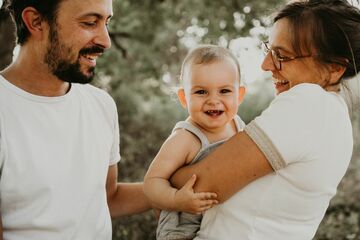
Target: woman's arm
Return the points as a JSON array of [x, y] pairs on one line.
[[229, 168]]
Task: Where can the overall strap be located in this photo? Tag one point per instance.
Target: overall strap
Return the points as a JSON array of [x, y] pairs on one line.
[[194, 130], [240, 125]]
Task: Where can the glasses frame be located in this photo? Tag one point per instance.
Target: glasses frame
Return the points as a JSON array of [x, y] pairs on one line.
[[276, 58]]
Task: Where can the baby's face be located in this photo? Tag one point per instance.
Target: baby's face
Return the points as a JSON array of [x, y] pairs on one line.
[[212, 93]]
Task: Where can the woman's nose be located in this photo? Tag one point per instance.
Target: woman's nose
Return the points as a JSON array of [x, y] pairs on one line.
[[268, 64]]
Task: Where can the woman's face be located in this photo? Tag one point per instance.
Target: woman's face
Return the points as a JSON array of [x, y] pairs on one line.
[[302, 69]]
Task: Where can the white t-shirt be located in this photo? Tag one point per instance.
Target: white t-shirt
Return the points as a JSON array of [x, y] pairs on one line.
[[55, 153], [306, 135]]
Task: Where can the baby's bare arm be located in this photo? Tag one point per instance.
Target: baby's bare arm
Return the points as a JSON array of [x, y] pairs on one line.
[[174, 153]]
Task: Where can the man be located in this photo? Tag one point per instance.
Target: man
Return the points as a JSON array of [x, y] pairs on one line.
[[59, 137]]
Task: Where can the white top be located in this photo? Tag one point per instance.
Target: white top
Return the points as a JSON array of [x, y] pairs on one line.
[[55, 153], [306, 135]]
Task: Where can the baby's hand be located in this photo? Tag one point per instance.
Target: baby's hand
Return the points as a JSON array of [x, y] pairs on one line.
[[186, 200]]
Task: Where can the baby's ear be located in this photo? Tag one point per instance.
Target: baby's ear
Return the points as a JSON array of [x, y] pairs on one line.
[[242, 91], [182, 97]]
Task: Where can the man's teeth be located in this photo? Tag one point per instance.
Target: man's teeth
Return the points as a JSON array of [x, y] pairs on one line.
[[91, 57]]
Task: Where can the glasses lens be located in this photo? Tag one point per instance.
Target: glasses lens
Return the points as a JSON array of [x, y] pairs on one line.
[[274, 55], [275, 58], [265, 48]]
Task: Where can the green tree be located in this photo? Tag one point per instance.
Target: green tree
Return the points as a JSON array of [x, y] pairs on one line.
[[7, 38]]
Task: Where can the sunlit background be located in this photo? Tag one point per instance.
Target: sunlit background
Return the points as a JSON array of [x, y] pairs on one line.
[[149, 41]]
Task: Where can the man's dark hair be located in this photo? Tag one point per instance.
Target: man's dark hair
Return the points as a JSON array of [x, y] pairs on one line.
[[331, 27], [46, 8]]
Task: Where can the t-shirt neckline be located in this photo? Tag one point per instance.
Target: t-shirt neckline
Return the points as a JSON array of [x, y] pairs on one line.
[[20, 92]]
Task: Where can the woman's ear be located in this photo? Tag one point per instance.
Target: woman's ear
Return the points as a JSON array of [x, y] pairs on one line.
[[182, 97], [336, 71], [33, 21]]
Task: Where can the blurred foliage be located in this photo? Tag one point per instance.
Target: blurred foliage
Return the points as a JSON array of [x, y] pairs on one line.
[[150, 38], [7, 38]]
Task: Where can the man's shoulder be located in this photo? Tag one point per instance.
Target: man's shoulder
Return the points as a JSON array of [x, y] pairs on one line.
[[93, 91], [95, 95]]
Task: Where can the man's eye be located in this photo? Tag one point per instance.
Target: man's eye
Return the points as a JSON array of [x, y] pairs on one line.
[[225, 90], [90, 24], [200, 92]]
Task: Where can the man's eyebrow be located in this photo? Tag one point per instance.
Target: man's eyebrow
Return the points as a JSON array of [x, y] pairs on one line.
[[94, 14]]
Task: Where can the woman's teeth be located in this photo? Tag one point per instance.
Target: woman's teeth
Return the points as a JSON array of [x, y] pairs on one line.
[[281, 82]]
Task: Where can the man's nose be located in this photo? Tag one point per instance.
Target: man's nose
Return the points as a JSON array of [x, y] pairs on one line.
[[103, 38]]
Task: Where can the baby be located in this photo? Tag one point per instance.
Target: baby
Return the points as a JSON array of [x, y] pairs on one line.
[[211, 92]]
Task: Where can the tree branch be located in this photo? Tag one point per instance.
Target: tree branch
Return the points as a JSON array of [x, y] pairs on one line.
[[119, 34], [115, 36], [235, 5]]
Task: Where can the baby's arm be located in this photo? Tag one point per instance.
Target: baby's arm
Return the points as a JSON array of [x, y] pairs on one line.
[[180, 146]]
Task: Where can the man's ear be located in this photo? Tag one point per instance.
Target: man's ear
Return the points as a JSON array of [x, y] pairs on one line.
[[182, 97], [241, 95], [33, 21]]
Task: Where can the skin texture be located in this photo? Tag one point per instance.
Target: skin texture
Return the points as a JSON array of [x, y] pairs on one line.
[[239, 161], [79, 25], [211, 94]]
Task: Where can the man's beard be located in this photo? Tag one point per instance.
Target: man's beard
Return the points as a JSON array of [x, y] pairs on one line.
[[62, 68]]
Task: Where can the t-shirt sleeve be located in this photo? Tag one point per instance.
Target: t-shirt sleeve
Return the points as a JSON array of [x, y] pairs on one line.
[[2, 150], [284, 132], [115, 149]]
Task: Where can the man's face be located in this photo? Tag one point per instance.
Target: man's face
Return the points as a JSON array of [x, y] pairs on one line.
[[77, 38]]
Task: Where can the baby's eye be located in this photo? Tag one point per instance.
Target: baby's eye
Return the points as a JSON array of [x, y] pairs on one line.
[[225, 90], [200, 92]]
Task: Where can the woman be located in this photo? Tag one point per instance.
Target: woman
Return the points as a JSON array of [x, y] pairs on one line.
[[289, 161]]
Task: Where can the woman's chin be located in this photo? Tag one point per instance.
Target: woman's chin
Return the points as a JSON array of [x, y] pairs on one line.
[[279, 88]]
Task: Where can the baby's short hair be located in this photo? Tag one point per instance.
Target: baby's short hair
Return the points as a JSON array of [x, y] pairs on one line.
[[207, 54]]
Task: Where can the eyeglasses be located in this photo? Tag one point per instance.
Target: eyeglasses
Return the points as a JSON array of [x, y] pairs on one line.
[[277, 58]]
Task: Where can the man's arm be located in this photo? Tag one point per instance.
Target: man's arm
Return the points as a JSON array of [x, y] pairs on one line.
[[229, 168], [124, 198], [1, 228]]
